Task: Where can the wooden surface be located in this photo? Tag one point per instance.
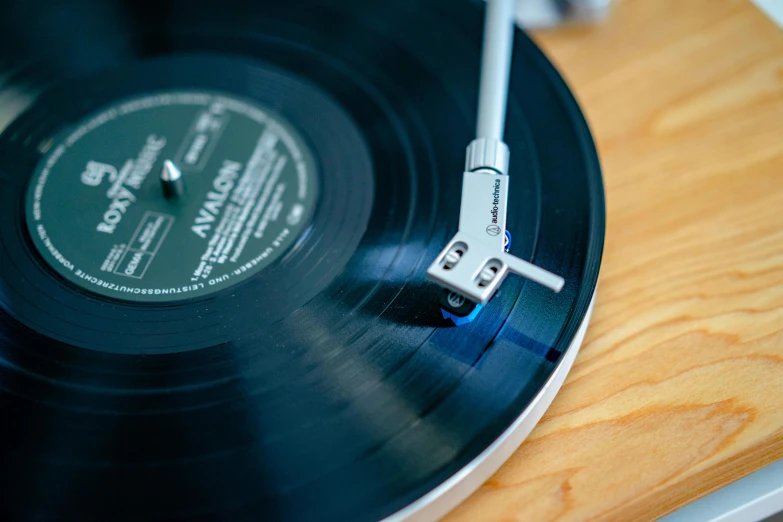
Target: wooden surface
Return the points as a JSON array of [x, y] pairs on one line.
[[678, 389]]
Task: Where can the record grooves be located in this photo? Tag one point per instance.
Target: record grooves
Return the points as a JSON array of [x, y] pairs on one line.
[[322, 383]]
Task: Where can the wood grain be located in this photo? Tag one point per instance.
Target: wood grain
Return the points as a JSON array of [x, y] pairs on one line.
[[678, 389]]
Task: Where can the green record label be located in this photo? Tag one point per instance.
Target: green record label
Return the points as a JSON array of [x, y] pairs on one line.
[[97, 212]]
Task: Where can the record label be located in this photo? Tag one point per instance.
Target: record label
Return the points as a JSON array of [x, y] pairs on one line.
[[97, 212]]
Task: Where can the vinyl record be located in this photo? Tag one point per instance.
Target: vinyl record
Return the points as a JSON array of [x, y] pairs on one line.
[[264, 344]]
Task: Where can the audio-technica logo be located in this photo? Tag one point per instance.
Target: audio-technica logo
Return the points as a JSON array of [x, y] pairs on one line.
[[455, 300], [495, 202], [493, 230]]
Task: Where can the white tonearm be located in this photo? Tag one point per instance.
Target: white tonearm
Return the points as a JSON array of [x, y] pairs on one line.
[[475, 262]]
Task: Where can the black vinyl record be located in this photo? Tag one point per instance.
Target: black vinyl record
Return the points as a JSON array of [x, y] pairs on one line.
[[316, 380]]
